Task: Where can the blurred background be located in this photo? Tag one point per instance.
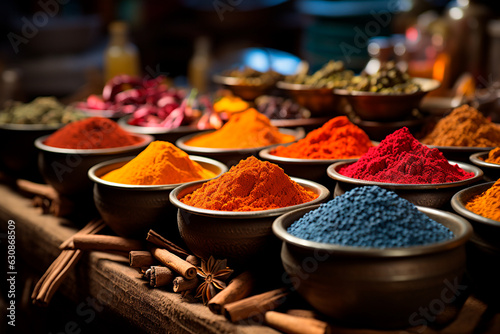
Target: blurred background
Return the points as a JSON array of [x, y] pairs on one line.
[[58, 47]]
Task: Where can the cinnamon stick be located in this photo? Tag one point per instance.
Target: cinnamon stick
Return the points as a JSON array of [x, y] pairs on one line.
[[258, 304], [158, 240], [240, 287], [290, 324], [138, 259], [303, 313], [174, 262], [47, 198], [93, 227], [160, 276], [105, 243], [194, 260], [183, 284]]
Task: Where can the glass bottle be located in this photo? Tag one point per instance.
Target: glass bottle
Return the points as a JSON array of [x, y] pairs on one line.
[[121, 56]]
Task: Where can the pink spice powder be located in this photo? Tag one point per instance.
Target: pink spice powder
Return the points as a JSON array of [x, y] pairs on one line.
[[400, 158]]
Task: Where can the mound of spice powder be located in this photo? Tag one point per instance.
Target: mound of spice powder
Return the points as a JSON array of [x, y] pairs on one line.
[[400, 158], [494, 156], [247, 129], [91, 133], [336, 139], [487, 204], [251, 185], [464, 126], [160, 163], [369, 217]]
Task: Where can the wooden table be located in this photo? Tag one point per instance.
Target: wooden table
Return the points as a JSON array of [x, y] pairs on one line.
[[118, 290]]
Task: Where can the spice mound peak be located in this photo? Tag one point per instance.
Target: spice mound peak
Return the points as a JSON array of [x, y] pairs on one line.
[[400, 158], [251, 185]]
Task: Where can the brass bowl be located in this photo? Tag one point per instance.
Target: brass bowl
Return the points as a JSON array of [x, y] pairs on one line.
[[319, 101], [491, 170], [372, 106], [159, 133], [131, 210], [369, 287], [18, 155], [229, 156], [483, 249], [239, 88], [66, 169], [430, 195], [241, 237]]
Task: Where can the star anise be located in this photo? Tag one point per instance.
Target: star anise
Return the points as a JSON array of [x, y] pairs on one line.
[[214, 274]]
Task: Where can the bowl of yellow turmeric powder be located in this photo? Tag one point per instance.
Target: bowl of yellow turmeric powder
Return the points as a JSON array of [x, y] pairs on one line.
[[480, 205], [245, 134], [231, 216], [132, 193]]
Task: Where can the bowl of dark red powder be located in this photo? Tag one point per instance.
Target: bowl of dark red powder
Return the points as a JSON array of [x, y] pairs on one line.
[[415, 172], [66, 155]]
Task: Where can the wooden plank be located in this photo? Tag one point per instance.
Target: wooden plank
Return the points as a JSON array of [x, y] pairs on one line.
[[106, 279]]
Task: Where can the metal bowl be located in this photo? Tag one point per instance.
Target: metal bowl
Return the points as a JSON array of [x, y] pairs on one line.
[[131, 210], [229, 156], [459, 153], [239, 88], [319, 101], [372, 287], [483, 251], [241, 237], [160, 133], [372, 106], [491, 170], [18, 155], [66, 169], [430, 195]]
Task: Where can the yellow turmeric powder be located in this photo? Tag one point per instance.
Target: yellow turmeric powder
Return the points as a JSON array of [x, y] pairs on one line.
[[160, 163], [487, 204], [494, 156], [251, 185], [247, 129]]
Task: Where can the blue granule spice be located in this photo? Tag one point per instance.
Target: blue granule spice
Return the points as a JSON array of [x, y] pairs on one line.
[[369, 217]]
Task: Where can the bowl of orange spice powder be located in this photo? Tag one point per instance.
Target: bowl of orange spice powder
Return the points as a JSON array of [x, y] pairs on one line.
[[66, 155], [231, 216], [337, 140], [480, 205], [489, 162], [245, 134], [132, 193]]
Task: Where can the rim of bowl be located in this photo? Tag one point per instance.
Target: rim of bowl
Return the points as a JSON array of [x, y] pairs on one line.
[[237, 82], [334, 174], [266, 154], [476, 159], [152, 130], [94, 171], [428, 86], [460, 148], [30, 127], [39, 143], [295, 87], [185, 189], [459, 207], [180, 143], [464, 233]]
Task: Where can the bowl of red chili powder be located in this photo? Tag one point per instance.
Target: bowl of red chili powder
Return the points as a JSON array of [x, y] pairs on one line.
[[337, 140], [66, 155], [479, 205], [415, 172], [231, 216]]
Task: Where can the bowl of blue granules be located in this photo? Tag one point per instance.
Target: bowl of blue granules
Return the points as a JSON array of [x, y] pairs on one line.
[[369, 258]]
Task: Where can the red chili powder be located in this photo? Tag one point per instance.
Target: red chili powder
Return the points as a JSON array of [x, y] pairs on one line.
[[400, 158], [91, 133]]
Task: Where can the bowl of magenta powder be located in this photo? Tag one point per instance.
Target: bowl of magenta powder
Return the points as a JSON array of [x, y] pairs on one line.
[[415, 172], [369, 258], [66, 155]]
